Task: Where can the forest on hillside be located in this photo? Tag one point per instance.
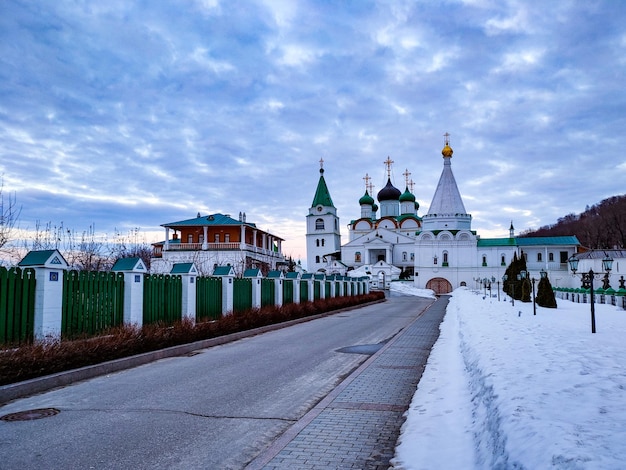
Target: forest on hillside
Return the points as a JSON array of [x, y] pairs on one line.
[[601, 226]]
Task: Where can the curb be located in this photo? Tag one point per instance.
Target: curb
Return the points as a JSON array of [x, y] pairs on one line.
[[43, 384]]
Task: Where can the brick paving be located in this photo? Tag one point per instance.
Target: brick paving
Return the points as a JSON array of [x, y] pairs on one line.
[[357, 425]]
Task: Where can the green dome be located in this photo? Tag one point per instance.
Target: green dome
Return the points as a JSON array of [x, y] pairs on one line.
[[407, 196], [366, 199], [374, 208]]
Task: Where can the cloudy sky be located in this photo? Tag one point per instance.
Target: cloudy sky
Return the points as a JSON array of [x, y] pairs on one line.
[[127, 114]]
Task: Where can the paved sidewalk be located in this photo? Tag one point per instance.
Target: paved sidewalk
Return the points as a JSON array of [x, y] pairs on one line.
[[356, 426]]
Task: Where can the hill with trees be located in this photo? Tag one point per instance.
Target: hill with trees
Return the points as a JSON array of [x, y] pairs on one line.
[[601, 226]]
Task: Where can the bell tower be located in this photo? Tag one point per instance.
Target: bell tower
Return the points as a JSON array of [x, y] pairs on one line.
[[323, 238]]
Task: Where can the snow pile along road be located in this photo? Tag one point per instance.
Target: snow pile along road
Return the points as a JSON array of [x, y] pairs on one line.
[[506, 389]]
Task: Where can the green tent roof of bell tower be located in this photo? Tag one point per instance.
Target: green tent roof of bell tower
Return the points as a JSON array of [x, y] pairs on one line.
[[322, 195]]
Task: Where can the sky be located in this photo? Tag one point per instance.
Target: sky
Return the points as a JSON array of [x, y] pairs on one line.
[[132, 114], [504, 388]]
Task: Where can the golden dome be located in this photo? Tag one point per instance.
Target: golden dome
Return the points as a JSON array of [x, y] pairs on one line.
[[447, 151]]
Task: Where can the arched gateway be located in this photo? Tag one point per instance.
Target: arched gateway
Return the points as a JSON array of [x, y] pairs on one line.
[[439, 285]]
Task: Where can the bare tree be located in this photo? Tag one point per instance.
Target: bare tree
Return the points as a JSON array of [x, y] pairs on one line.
[[9, 215]]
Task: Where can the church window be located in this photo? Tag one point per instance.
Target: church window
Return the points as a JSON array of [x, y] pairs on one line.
[[319, 224], [412, 256], [445, 258], [317, 242], [404, 256], [322, 242], [435, 260], [550, 256], [502, 260], [357, 257], [190, 238], [484, 260], [227, 238], [539, 257], [217, 238], [317, 259]]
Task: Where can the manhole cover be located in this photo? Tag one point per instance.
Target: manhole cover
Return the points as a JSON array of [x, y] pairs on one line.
[[29, 415]]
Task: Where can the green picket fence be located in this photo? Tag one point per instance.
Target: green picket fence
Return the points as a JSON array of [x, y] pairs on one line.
[[17, 305], [268, 292], [162, 298], [92, 302], [287, 291], [304, 291], [208, 298], [242, 294], [317, 292]]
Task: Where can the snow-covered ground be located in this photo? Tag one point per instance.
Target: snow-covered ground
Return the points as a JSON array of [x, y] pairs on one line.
[[506, 389]]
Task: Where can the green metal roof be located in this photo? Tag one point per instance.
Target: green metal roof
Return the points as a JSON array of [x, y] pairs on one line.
[[223, 271], [322, 195], [275, 275], [182, 268], [293, 275], [38, 258], [127, 264], [252, 272], [528, 241], [213, 219], [496, 242], [531, 241]]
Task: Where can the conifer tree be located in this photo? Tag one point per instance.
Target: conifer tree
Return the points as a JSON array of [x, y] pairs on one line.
[[545, 294]]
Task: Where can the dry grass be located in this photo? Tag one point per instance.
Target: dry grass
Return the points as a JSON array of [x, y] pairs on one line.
[[47, 357]]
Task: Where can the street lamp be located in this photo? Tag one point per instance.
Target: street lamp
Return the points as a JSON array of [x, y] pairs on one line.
[[543, 275], [485, 285], [587, 281]]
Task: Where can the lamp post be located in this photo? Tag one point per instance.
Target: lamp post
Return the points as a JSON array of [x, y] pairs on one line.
[[485, 285], [504, 279], [587, 281], [543, 275], [498, 291]]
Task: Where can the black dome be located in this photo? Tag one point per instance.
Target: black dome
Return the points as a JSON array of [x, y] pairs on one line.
[[389, 193]]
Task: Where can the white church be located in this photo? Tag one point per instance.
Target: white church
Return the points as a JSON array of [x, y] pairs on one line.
[[438, 251]]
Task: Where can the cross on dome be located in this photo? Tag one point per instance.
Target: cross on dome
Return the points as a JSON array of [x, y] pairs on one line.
[[388, 162], [406, 174], [446, 138], [321, 163], [367, 179]]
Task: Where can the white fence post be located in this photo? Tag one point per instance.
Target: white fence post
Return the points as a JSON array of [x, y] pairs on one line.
[[49, 266], [134, 271]]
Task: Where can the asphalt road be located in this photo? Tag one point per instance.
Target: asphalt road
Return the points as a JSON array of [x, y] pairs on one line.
[[215, 409]]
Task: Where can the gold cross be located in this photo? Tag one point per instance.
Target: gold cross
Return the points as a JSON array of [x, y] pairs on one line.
[[447, 138], [406, 176], [367, 179], [388, 162]]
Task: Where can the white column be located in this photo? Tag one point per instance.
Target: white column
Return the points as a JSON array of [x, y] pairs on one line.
[[278, 292], [205, 240], [296, 290], [256, 291], [227, 294], [242, 244], [167, 239], [189, 297], [48, 302], [133, 298]]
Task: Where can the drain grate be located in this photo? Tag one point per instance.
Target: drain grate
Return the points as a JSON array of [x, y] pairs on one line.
[[30, 415]]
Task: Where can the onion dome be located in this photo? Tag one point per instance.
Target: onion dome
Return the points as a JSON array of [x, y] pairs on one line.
[[407, 196], [389, 192], [417, 206], [366, 199], [374, 208], [447, 151]]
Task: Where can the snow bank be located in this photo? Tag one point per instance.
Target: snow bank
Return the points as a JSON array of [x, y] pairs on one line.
[[506, 389]]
